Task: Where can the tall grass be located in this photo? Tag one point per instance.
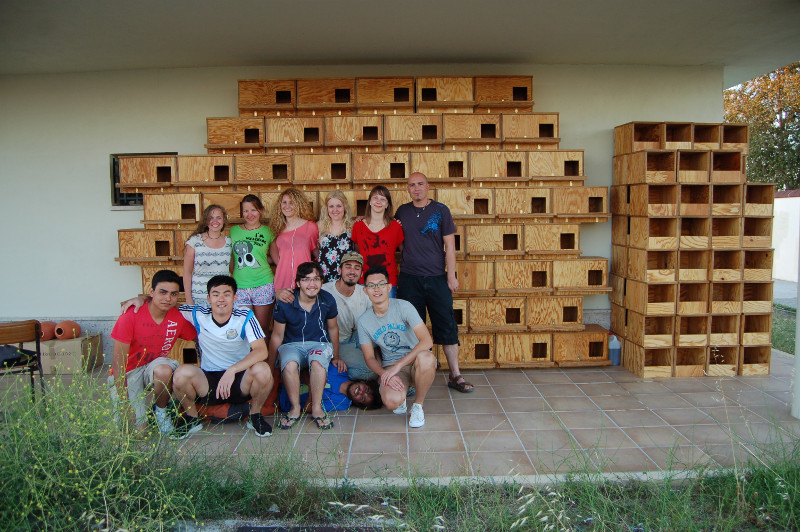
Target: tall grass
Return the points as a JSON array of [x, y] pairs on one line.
[[784, 320]]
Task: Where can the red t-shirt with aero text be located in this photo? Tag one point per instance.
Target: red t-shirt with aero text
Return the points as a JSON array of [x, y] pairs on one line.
[[149, 340]]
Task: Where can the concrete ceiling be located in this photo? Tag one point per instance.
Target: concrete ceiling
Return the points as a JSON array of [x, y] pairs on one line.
[[747, 38]]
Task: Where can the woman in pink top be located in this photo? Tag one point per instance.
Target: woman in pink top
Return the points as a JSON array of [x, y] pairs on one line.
[[297, 239]]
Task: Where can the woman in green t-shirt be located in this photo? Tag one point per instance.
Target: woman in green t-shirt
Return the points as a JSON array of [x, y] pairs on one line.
[[250, 262]]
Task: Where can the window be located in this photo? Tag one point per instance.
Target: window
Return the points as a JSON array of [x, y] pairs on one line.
[[126, 199]]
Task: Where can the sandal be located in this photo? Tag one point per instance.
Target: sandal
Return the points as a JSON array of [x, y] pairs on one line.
[[459, 383], [288, 422], [321, 422]]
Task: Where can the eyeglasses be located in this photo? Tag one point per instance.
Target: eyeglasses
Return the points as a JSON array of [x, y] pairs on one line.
[[310, 279], [372, 286]]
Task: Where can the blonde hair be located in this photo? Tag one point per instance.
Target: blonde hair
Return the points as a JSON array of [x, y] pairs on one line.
[[202, 225], [301, 205], [324, 222], [387, 214]]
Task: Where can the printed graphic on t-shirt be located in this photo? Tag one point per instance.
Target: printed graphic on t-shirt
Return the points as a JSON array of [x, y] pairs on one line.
[[432, 226], [244, 253], [390, 338]]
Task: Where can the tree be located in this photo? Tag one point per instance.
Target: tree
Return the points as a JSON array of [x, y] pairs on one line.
[[771, 105]]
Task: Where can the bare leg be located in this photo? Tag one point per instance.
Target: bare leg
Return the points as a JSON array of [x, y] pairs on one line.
[[264, 317], [257, 382], [162, 379], [291, 382], [392, 398], [451, 352], [424, 374], [189, 383], [318, 376]]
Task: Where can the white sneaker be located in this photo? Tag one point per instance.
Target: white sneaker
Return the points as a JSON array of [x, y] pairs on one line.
[[163, 420], [402, 409], [417, 418]]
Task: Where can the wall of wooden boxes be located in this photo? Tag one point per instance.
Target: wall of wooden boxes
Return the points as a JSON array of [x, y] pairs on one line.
[[517, 199], [691, 260]]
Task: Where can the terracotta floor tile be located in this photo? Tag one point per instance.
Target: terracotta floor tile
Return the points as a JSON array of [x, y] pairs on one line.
[[210, 444], [435, 406], [585, 420], [378, 465], [675, 458], [520, 404], [507, 378], [566, 461], [732, 414], [516, 390], [773, 413], [273, 445], [438, 391], [323, 443], [661, 400], [483, 422], [761, 433], [438, 442], [370, 424], [706, 398], [440, 422], [440, 464], [559, 390], [380, 442], [547, 376], [497, 440], [618, 402], [606, 438], [341, 425], [688, 385], [547, 440], [534, 421], [622, 460], [729, 456], [572, 404], [635, 418], [656, 436], [594, 376], [506, 463], [683, 416], [477, 378], [647, 387], [604, 388], [702, 435], [488, 406]]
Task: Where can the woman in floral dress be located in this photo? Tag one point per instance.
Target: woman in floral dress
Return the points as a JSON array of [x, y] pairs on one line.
[[335, 227]]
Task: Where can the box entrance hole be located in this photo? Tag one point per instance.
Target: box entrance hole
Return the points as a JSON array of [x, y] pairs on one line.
[[646, 133], [539, 350], [190, 355], [758, 226], [483, 352], [163, 174], [538, 279], [428, 94], [758, 260], [459, 315], [280, 171], [519, 94], [455, 168], [538, 205], [362, 206], [513, 315], [251, 136], [369, 132], [569, 314], [510, 242], [514, 168], [458, 242], [338, 170], [341, 95], [595, 278], [660, 162], [402, 94], [488, 131], [480, 206], [188, 211], [679, 132], [310, 134], [568, 241], [727, 194], [733, 134], [430, 132], [727, 161], [162, 248], [693, 161], [283, 96], [706, 134], [572, 168], [723, 355], [397, 170], [547, 131], [596, 204], [595, 349], [222, 173]]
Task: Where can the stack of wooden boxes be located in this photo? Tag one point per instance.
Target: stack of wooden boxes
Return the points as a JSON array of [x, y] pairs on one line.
[[691, 260], [517, 199]]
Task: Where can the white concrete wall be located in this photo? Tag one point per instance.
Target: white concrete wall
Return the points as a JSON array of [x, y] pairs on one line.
[[57, 131], [786, 238]]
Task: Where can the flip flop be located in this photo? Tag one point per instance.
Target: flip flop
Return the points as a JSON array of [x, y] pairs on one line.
[[459, 383], [288, 422], [320, 421]]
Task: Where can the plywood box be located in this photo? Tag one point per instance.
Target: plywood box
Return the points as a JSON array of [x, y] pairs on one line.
[[494, 239], [380, 167], [651, 166], [556, 163], [678, 136], [727, 265], [413, 132], [724, 330], [581, 348], [695, 233], [552, 239], [498, 165], [653, 233], [483, 129], [555, 313], [619, 262], [706, 136], [648, 363], [172, 208], [259, 97], [726, 233], [757, 232], [475, 277], [693, 166], [689, 361], [726, 298], [638, 136], [525, 203], [726, 199], [523, 276], [650, 299], [271, 169], [230, 201], [759, 199], [651, 266], [693, 265], [722, 361], [650, 331], [468, 202], [524, 350], [735, 137], [326, 95], [756, 297], [585, 275], [652, 199], [205, 169], [303, 131], [580, 201], [145, 245], [384, 95], [477, 351], [692, 331], [493, 93], [490, 314], [727, 167], [441, 166], [323, 168], [757, 265], [755, 360], [530, 131], [363, 131], [235, 131], [147, 171], [445, 94], [695, 200]]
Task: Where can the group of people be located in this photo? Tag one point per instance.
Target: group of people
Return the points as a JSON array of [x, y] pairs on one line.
[[342, 322]]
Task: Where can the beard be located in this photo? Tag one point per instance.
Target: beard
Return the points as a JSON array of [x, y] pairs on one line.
[[349, 283]]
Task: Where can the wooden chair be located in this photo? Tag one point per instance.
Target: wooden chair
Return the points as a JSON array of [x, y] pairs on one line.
[[16, 333]]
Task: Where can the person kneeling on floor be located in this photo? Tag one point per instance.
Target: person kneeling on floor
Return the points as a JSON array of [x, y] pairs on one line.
[[405, 343]]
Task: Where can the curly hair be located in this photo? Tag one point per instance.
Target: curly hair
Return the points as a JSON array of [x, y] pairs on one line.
[[301, 204], [202, 225], [324, 222]]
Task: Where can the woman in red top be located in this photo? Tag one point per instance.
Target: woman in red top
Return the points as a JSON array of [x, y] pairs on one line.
[[378, 235]]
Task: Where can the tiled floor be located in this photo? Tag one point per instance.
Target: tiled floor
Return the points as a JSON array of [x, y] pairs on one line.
[[540, 422]]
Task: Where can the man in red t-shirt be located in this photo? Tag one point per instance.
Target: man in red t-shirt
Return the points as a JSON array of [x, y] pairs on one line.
[[142, 342]]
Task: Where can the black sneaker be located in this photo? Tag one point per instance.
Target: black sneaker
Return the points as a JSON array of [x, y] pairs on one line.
[[259, 425], [185, 426]]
